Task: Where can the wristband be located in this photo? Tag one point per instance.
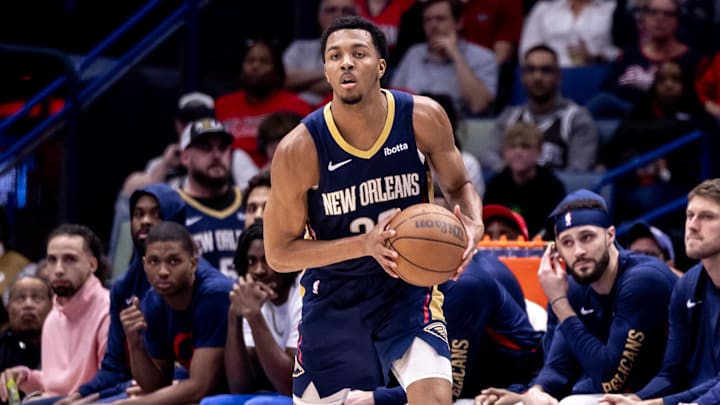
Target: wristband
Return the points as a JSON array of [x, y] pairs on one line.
[[557, 299]]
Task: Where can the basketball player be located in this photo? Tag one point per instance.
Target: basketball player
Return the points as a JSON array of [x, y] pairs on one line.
[[608, 314], [344, 172]]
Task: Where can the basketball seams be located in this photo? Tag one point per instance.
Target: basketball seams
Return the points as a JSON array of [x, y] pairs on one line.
[[419, 266]]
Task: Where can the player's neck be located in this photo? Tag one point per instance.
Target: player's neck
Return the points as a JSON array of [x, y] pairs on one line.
[[356, 121], [607, 280], [198, 190], [712, 266]]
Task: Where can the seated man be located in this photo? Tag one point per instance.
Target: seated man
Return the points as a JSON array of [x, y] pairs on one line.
[[502, 221], [265, 309], [486, 326], [645, 238], [74, 334], [183, 319], [30, 301]]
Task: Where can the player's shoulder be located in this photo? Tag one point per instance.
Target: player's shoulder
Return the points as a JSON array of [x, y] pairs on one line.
[[639, 270], [212, 281]]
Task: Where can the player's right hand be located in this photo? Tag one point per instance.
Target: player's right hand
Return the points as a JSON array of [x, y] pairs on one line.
[[19, 374], [552, 276], [375, 245], [248, 296], [134, 324]]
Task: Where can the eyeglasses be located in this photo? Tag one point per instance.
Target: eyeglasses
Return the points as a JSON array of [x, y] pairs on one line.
[[341, 10], [544, 69], [656, 12]]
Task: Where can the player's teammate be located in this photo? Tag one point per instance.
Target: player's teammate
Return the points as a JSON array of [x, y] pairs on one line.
[[344, 172]]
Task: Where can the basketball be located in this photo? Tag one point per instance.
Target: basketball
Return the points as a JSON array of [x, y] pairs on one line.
[[430, 241]]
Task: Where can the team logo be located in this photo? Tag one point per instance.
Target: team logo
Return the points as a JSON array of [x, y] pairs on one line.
[[298, 370], [438, 330], [568, 219]]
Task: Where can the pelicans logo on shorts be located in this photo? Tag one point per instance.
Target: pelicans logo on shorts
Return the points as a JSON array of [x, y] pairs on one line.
[[298, 370], [438, 330]]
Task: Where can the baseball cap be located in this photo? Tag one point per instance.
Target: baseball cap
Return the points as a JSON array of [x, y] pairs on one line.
[[194, 106], [497, 210], [642, 229], [201, 128]]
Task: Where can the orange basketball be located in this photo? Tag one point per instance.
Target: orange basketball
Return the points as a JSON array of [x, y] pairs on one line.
[[430, 241]]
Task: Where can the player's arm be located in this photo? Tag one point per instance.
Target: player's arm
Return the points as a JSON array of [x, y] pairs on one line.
[[435, 139], [205, 373], [277, 362], [238, 365], [635, 324], [294, 171]]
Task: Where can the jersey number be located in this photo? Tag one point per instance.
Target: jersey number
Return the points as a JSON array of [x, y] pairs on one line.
[[365, 224]]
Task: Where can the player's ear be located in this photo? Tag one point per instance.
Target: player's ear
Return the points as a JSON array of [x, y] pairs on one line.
[[382, 66]]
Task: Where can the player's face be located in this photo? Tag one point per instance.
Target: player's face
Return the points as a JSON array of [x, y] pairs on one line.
[[70, 264], [585, 250], [208, 161], [145, 215], [438, 20], [28, 305], [261, 272], [541, 76], [352, 65], [256, 202], [170, 269], [702, 228]]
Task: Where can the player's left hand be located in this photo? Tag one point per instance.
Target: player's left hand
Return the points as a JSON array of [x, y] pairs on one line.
[[248, 296], [475, 231], [358, 397]]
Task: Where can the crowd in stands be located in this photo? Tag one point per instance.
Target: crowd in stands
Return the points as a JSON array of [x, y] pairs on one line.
[[183, 307]]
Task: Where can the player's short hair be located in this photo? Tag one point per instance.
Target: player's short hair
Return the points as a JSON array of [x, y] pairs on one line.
[[356, 23], [708, 189], [240, 260], [168, 231], [91, 244], [522, 133]]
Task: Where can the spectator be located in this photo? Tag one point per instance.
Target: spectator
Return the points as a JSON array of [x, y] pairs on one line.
[[255, 197], [501, 221], [708, 87], [569, 133], [74, 334], [386, 14], [303, 59], [579, 31], [149, 205], [265, 309], [647, 239], [272, 129], [213, 212], [669, 111], [182, 319], [524, 186], [495, 25], [447, 64], [30, 301], [262, 77], [632, 73], [691, 363], [607, 338]]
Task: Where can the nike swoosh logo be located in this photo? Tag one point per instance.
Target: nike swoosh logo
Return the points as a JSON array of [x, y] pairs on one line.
[[129, 300], [193, 220], [691, 304], [586, 311], [332, 167]]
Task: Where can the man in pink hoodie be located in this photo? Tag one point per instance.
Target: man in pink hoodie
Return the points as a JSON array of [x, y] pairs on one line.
[[74, 335]]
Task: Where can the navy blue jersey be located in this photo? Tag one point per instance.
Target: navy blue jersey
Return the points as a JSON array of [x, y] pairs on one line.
[[358, 188], [356, 320], [616, 341], [172, 335], [216, 232], [692, 360]]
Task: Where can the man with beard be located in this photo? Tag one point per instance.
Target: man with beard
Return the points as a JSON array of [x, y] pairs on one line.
[[570, 134], [214, 214], [607, 323], [75, 332], [692, 363], [29, 302], [148, 206]]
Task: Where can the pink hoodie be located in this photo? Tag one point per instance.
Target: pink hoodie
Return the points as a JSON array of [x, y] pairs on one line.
[[74, 337]]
